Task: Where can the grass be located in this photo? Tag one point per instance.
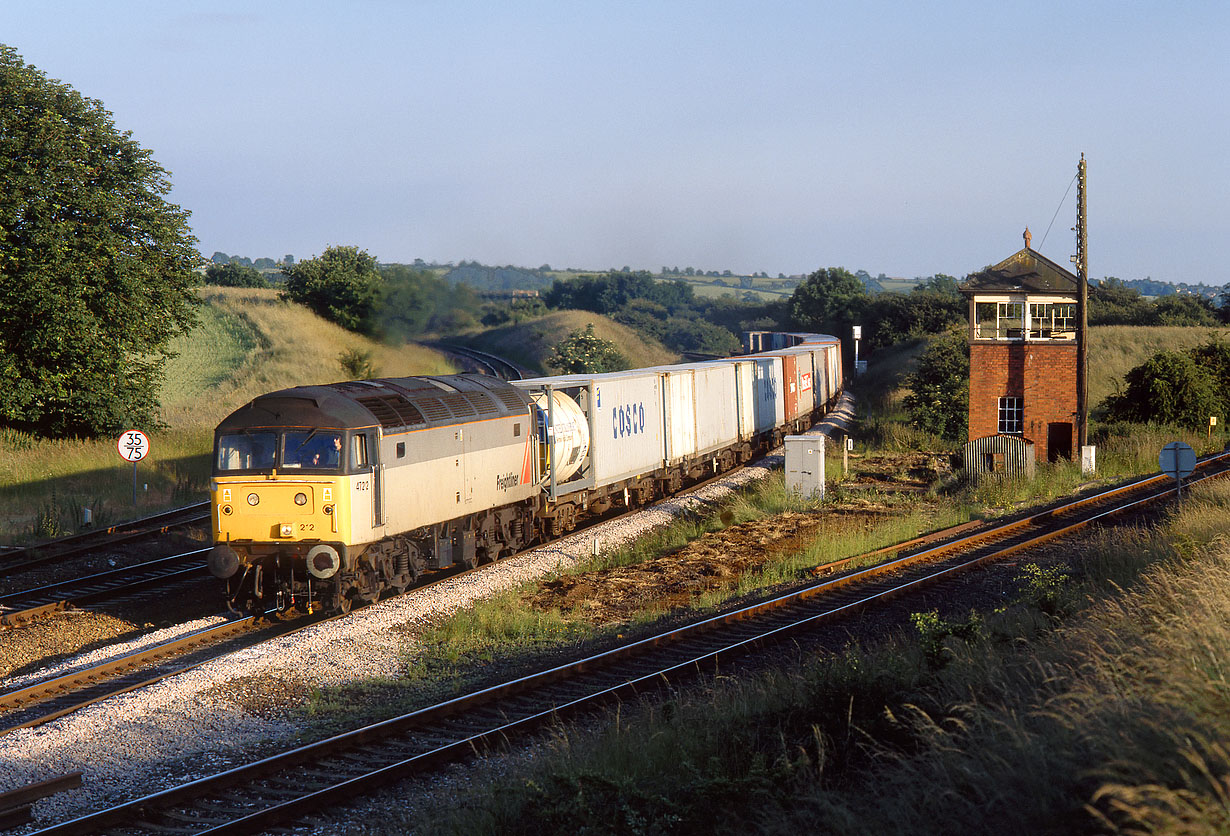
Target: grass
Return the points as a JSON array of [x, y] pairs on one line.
[[530, 343], [248, 343], [1093, 698], [456, 650]]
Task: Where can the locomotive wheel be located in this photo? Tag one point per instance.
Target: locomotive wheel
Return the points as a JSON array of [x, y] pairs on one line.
[[344, 603]]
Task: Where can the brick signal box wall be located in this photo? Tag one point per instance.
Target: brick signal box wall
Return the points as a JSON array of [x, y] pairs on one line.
[[1042, 374]]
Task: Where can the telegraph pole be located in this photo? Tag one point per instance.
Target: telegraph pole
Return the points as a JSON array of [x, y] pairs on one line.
[[1082, 314]]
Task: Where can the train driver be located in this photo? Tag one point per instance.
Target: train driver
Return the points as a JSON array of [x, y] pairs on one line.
[[328, 454]]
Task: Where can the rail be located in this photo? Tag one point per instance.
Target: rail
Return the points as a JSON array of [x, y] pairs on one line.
[[28, 557]]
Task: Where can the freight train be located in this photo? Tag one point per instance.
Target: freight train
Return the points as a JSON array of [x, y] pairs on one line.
[[328, 496]]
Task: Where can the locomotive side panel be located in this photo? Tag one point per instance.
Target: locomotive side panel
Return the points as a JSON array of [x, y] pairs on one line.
[[439, 474]]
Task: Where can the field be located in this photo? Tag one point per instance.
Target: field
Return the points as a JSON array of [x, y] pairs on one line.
[[248, 342]]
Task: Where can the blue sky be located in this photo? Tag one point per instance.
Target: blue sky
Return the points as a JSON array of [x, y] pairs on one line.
[[903, 138]]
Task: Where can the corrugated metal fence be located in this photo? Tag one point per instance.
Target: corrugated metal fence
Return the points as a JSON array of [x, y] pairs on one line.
[[999, 454]]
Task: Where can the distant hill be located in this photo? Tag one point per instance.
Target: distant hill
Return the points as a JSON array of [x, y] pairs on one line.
[[529, 344]]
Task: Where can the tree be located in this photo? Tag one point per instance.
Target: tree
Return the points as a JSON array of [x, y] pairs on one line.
[[832, 299], [342, 285], [1185, 309], [938, 401], [234, 275], [96, 267], [1112, 302], [584, 352]]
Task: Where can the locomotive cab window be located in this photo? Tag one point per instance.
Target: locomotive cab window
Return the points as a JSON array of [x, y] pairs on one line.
[[246, 451], [358, 450], [311, 449]]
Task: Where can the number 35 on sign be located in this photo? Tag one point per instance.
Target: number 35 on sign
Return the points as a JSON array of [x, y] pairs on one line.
[[133, 445]]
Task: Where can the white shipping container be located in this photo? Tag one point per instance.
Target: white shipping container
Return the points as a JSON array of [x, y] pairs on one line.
[[626, 422], [717, 406], [628, 425], [679, 408]]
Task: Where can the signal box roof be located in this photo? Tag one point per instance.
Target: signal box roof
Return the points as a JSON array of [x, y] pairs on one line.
[[1025, 270]]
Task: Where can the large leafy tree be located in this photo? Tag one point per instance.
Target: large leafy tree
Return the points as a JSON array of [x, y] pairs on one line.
[[96, 267], [342, 285], [832, 299], [938, 400]]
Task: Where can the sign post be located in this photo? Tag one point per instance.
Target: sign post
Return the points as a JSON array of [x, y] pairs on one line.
[[133, 446], [1178, 460]]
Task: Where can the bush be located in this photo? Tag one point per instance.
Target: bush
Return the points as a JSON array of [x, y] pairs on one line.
[[1176, 387], [235, 275], [342, 285], [583, 352]]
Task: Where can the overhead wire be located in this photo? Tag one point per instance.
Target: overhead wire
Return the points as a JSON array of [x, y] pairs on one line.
[[1057, 208]]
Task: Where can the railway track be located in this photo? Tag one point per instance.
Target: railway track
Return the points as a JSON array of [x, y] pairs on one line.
[[488, 363], [19, 607], [327, 773], [56, 696], [47, 699], [29, 557]]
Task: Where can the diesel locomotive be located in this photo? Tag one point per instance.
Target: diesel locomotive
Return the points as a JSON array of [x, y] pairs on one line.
[[327, 496]]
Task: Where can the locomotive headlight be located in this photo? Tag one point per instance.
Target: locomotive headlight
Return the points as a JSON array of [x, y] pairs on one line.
[[286, 529], [301, 499], [226, 509], [328, 509], [253, 499]]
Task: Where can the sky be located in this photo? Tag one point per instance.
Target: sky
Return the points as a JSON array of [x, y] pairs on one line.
[[901, 138]]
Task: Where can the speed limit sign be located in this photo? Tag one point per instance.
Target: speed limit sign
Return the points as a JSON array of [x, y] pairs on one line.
[[133, 445]]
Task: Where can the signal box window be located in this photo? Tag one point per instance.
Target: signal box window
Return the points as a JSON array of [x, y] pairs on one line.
[[999, 320], [1011, 416], [1052, 320]]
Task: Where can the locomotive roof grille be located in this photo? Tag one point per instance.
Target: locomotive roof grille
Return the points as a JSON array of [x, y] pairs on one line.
[[434, 409], [393, 411], [511, 399], [481, 401], [395, 404], [459, 405]]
